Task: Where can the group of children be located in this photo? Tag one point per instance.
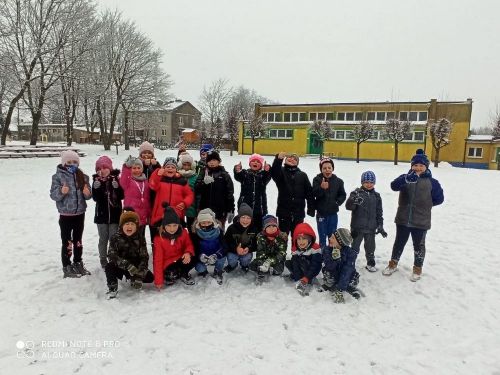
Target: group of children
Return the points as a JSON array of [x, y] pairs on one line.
[[187, 204]]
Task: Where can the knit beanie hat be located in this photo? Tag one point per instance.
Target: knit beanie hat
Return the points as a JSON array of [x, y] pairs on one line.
[[185, 158], [69, 155], [269, 220], [146, 146], [103, 162], [169, 160], [206, 215], [137, 162], [368, 176], [129, 217], [420, 158], [294, 156], [343, 236], [245, 210], [170, 217], [213, 155], [326, 160], [206, 147], [256, 157]]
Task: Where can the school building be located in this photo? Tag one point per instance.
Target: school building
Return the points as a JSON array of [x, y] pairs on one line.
[[288, 129]]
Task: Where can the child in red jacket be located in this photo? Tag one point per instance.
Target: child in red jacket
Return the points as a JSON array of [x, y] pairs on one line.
[[173, 252]]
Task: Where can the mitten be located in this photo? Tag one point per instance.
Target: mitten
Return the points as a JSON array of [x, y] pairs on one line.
[[132, 269], [115, 184], [381, 230], [357, 200], [311, 212], [129, 161], [208, 179], [97, 184], [336, 253], [411, 177], [230, 217], [264, 267]]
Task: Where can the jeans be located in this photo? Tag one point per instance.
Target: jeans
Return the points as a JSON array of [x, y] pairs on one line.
[[71, 238], [232, 259], [418, 238], [219, 265], [326, 226]]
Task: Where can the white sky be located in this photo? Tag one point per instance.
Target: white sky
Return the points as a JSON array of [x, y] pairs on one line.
[[296, 51]]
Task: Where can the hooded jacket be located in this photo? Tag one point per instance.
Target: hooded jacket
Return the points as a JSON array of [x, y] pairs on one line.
[[73, 203]]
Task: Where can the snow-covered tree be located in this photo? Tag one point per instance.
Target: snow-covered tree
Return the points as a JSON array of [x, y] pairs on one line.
[[496, 128], [323, 130], [256, 128], [362, 132], [440, 135], [396, 130]]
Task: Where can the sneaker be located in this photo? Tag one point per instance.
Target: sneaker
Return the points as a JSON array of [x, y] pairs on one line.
[[371, 268], [187, 279], [338, 296], [80, 268], [69, 271], [302, 288], [417, 273], [229, 268], [391, 268], [217, 275]]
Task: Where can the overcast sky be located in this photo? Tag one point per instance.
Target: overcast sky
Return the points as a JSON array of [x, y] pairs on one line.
[[299, 51]]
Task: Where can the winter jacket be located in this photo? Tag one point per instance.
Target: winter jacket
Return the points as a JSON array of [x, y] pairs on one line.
[[172, 191], [218, 195], [294, 189], [341, 269], [367, 216], [108, 200], [312, 254], [416, 200], [209, 242], [73, 203], [191, 177], [328, 200], [169, 250], [253, 189], [236, 234], [136, 194], [273, 249], [126, 250]]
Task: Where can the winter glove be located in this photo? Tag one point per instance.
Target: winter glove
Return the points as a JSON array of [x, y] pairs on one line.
[[357, 200], [411, 177], [203, 258], [129, 161], [137, 284], [97, 184], [132, 269], [230, 217], [115, 184], [264, 267], [335, 253], [381, 230], [212, 259], [311, 212], [208, 179]]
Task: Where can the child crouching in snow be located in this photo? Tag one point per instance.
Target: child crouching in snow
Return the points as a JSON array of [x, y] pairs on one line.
[[173, 252], [209, 244], [127, 255], [271, 250], [306, 260], [339, 271]]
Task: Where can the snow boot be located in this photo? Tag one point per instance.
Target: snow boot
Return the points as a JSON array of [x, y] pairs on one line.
[[353, 292], [136, 284], [245, 269], [217, 275], [112, 291], [417, 272], [170, 277], [371, 268], [203, 274], [229, 268], [303, 288], [338, 296], [261, 277], [80, 268], [187, 279], [69, 271], [391, 268]]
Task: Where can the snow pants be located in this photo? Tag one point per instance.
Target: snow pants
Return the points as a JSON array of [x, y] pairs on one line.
[[418, 238], [71, 238]]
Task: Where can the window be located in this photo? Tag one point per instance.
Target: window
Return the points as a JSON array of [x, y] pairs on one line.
[[321, 116], [419, 136], [330, 116], [181, 120], [413, 116], [380, 116], [390, 115], [312, 116], [164, 132], [281, 133], [271, 117], [422, 116], [475, 152], [370, 116], [403, 116], [339, 134], [295, 116], [341, 116], [349, 134], [349, 116], [358, 116]]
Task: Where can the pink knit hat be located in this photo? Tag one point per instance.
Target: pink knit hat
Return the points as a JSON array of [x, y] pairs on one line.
[[146, 146], [103, 162], [69, 155], [256, 157]]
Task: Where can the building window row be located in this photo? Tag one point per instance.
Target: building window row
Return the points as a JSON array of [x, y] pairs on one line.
[[412, 116], [475, 152]]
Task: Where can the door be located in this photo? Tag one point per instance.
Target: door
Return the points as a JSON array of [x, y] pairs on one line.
[[315, 144]]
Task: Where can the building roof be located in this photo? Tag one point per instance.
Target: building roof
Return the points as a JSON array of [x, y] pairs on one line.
[[358, 103], [188, 130]]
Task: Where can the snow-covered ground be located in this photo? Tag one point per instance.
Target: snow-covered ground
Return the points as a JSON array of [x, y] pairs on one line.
[[447, 323]]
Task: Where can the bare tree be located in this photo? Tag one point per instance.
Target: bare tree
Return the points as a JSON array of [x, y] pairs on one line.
[[213, 105], [397, 130], [362, 133], [323, 130], [496, 127], [256, 128], [440, 132]]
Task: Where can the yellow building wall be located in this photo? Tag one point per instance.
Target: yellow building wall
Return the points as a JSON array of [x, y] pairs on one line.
[[371, 150], [267, 146]]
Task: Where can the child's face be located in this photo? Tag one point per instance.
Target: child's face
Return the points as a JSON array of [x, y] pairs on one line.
[[332, 242], [129, 228], [291, 161], [186, 166], [136, 170], [171, 228], [170, 169], [203, 155], [104, 172], [205, 224], [302, 242], [327, 169], [214, 163], [255, 165], [245, 221], [147, 155], [418, 168], [368, 185], [271, 229]]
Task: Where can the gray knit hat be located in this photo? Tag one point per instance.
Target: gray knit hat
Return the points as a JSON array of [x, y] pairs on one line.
[[343, 236], [245, 210], [206, 215]]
